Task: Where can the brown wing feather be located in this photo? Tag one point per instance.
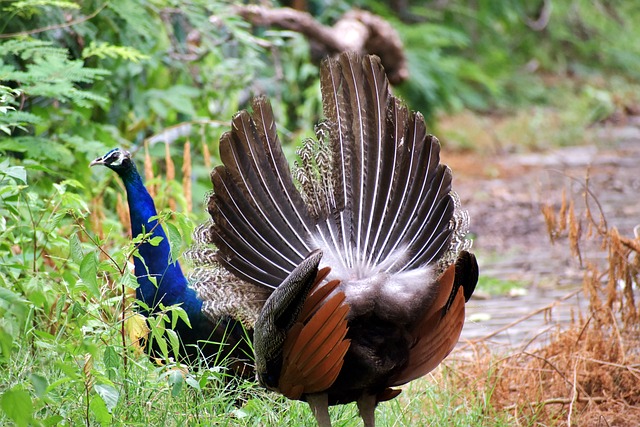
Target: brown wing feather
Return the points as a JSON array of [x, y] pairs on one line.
[[436, 335], [316, 297], [311, 354], [388, 394], [316, 331], [444, 286], [314, 349], [327, 372]]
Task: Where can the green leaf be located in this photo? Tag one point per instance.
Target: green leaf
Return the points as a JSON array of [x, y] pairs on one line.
[[111, 358], [176, 380], [89, 273], [60, 382], [6, 344], [16, 172], [11, 297], [156, 324], [192, 382], [174, 341], [179, 313], [99, 410], [75, 249], [155, 241], [130, 281], [17, 404], [103, 50], [40, 384], [175, 241], [109, 395], [53, 420], [18, 5]]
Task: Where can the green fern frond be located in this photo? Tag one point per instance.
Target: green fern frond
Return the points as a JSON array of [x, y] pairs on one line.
[[11, 119], [49, 73], [7, 96], [28, 48], [24, 4], [103, 50], [35, 147]]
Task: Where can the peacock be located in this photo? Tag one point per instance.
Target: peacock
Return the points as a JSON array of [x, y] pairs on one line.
[[215, 330], [361, 248]]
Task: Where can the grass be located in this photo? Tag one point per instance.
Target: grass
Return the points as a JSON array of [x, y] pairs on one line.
[[571, 106], [497, 286], [146, 394], [151, 395]]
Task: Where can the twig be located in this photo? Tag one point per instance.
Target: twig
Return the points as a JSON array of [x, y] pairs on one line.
[[602, 418], [542, 21], [587, 193], [521, 319], [633, 370], [56, 26], [574, 392], [524, 347], [584, 328], [561, 401], [171, 133], [294, 20], [123, 336], [548, 362], [96, 244], [614, 322]]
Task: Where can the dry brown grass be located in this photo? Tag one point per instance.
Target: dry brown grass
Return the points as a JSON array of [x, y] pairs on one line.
[[584, 376], [589, 373]]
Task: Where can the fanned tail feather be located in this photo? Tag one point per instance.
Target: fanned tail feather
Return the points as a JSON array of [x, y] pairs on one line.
[[386, 168], [336, 231], [374, 196], [261, 224]]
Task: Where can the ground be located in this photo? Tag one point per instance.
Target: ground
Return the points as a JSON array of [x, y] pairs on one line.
[[535, 348], [504, 194]]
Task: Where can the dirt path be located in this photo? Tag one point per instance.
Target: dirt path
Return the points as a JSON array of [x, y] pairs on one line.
[[504, 195]]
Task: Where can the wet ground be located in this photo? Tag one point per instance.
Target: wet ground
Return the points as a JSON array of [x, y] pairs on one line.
[[504, 194]]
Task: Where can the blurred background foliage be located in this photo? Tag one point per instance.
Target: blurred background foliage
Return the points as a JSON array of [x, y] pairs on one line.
[[80, 77]]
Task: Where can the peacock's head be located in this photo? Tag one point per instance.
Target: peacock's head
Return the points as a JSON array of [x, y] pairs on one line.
[[118, 160]]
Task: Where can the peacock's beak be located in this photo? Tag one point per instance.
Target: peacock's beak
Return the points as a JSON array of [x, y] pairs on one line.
[[98, 161]]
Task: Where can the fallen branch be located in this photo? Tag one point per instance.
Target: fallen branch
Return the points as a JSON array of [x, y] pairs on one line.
[[560, 401], [357, 30]]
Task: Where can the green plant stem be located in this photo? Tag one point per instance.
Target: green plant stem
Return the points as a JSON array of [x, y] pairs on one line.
[[125, 358]]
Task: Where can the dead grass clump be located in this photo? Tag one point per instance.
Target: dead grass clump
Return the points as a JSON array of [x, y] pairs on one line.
[[591, 370], [589, 374], [602, 352], [584, 375], [609, 285]]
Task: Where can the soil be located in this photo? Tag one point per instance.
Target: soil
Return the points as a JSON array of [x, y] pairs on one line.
[[504, 194]]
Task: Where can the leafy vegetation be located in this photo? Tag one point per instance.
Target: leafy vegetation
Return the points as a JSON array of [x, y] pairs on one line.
[[78, 78], [496, 286]]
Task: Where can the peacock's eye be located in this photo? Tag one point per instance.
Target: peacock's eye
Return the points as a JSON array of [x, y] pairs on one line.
[[114, 158]]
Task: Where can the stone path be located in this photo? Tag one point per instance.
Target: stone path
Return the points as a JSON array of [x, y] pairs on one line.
[[511, 240]]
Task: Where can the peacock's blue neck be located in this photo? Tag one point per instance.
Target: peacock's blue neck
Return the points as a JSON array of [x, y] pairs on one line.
[[171, 283]]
